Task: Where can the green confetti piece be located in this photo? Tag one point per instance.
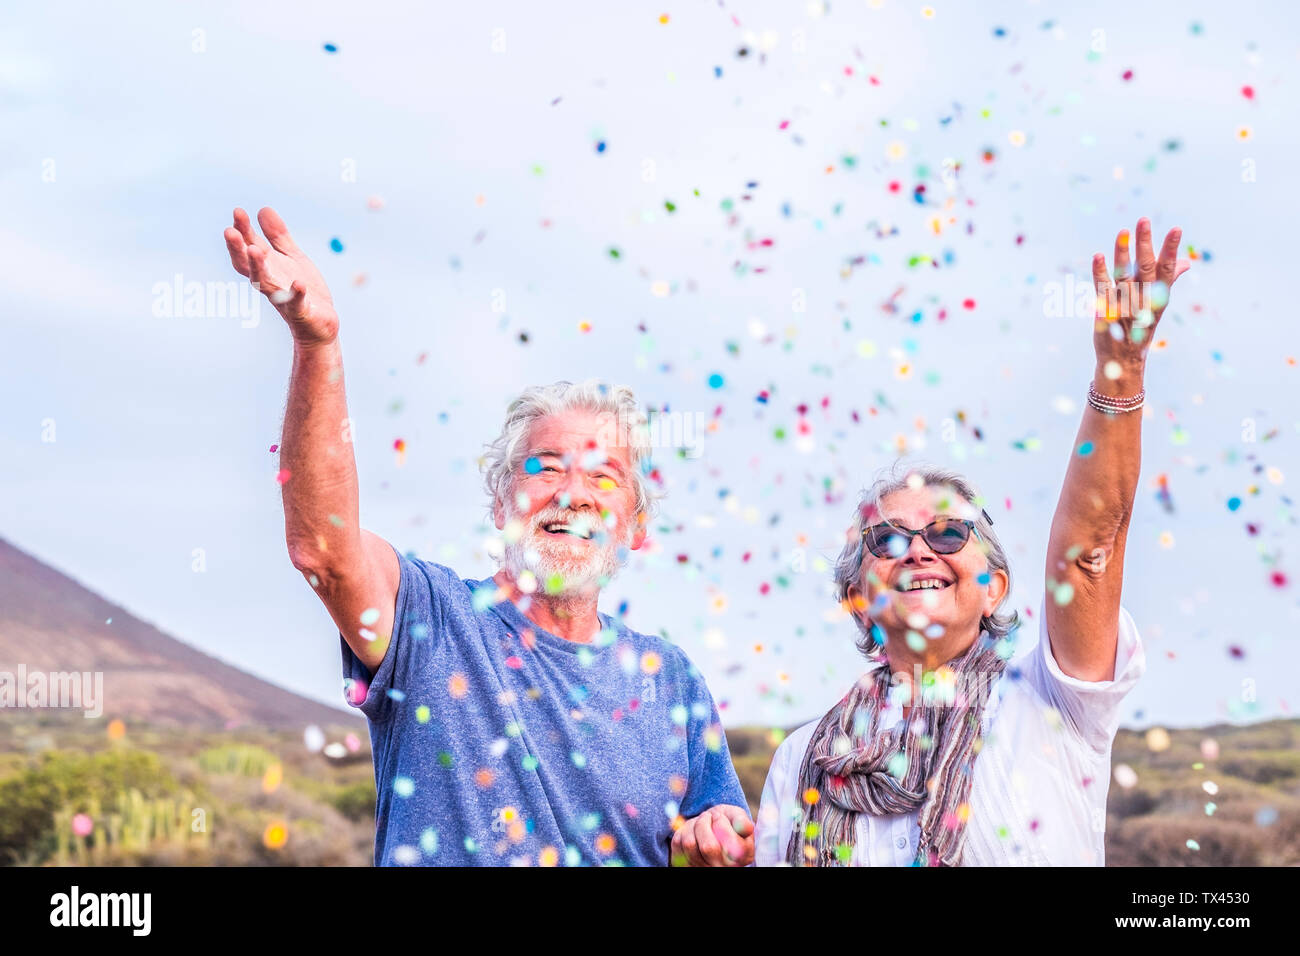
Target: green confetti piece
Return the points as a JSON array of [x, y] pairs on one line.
[[898, 765]]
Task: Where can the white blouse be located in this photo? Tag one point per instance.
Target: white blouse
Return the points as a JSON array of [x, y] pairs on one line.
[[1038, 797]]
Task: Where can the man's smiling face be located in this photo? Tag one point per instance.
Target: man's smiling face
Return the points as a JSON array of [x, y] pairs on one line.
[[575, 497]]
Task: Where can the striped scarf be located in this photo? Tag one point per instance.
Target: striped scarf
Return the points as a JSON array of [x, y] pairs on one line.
[[851, 768]]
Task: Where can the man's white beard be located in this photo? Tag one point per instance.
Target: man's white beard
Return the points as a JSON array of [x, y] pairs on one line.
[[582, 565]]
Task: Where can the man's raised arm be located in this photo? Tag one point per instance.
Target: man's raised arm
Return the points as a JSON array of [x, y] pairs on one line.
[[354, 572]]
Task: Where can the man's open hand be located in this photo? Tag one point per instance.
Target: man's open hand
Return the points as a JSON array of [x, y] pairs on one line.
[[720, 836], [283, 273]]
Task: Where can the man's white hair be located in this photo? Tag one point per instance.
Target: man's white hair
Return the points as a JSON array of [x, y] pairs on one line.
[[505, 456]]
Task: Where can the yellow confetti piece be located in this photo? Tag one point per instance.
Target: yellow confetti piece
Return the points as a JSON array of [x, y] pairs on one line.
[[276, 835], [116, 730], [457, 686], [272, 779], [1157, 739]]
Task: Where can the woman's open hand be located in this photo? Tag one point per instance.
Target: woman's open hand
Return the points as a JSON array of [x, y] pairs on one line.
[[1130, 306], [283, 273]]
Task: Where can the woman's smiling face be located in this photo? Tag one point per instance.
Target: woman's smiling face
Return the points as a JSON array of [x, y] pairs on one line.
[[967, 589]]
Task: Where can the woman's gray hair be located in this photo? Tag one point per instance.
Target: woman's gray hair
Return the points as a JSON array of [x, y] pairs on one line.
[[848, 567], [505, 456]]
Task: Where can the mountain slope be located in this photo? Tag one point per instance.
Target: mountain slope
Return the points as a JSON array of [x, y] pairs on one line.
[[50, 623]]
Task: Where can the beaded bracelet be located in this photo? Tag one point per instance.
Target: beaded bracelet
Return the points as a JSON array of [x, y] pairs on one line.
[[1113, 406]]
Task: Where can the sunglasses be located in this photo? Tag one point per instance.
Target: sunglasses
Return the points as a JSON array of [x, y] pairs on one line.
[[943, 535]]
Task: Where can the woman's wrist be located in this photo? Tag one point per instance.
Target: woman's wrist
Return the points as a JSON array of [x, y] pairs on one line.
[[1118, 380]]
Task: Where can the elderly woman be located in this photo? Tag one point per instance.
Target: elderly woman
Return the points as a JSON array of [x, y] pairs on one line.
[[943, 754]]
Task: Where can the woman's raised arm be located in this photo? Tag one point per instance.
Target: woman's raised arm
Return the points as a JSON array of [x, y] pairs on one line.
[[1085, 551]]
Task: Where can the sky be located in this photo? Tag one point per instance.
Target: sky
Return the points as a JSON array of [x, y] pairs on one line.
[[718, 204]]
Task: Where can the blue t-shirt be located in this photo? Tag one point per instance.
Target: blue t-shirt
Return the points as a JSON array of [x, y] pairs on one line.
[[496, 742]]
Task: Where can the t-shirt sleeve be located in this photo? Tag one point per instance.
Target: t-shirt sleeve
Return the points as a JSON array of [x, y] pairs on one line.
[[422, 594], [1090, 708], [712, 781]]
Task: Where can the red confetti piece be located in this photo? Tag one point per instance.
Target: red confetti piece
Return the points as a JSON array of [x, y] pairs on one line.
[[1248, 92], [514, 662], [273, 448], [282, 476], [1127, 75], [1278, 579], [968, 303]]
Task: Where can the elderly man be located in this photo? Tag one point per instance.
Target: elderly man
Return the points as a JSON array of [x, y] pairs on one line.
[[511, 722]]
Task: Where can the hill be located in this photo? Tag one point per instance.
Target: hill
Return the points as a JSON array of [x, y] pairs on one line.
[[51, 624]]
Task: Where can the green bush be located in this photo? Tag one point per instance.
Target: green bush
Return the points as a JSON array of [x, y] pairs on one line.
[[355, 801], [66, 780], [248, 760]]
